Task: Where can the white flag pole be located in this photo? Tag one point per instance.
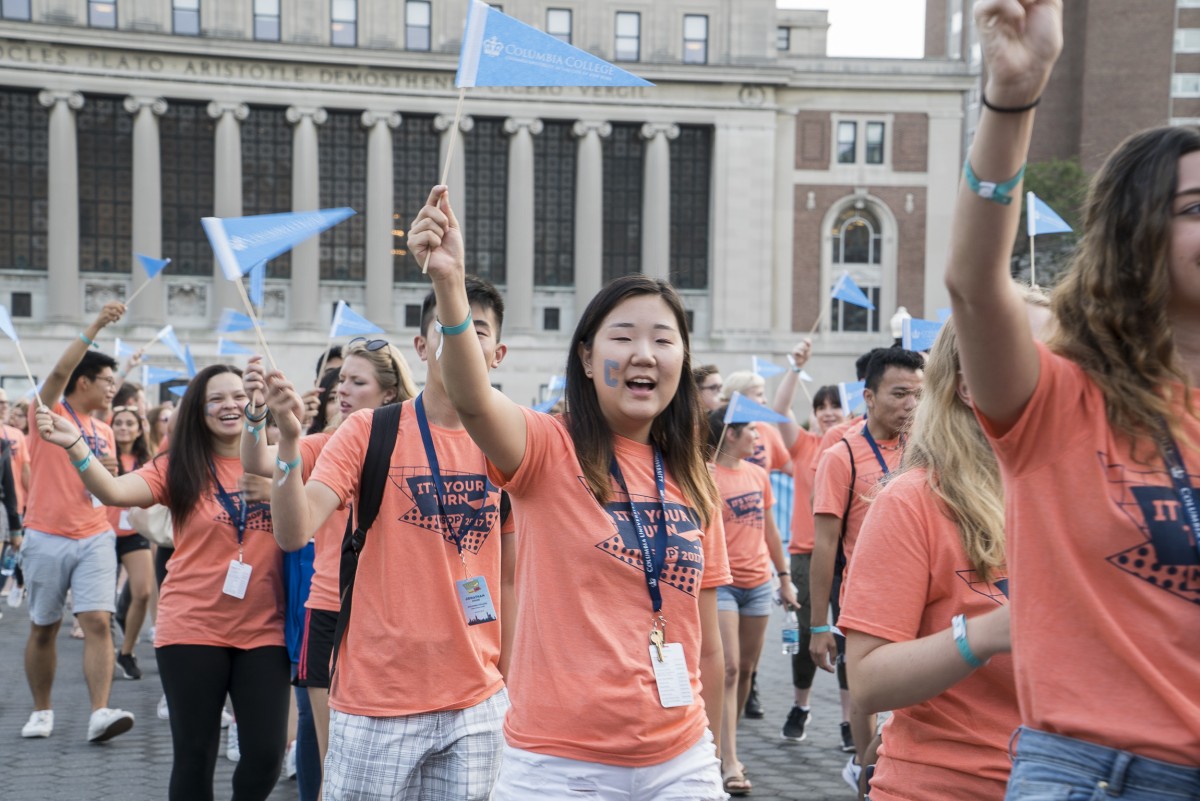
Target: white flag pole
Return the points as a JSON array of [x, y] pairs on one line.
[[462, 94]]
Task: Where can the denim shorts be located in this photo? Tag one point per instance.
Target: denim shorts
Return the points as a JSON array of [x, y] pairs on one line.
[[1051, 767], [754, 602]]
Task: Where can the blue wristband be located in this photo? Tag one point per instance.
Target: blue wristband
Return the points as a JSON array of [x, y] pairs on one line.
[[989, 190], [286, 468], [958, 626], [453, 330], [820, 629], [85, 339], [83, 464]]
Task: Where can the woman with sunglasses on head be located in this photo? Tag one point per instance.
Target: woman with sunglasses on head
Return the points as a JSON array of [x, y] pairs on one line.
[[220, 622], [133, 550], [371, 373], [617, 484], [1097, 433]]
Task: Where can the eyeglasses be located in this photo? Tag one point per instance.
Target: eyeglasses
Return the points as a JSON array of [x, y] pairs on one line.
[[370, 344], [107, 379]]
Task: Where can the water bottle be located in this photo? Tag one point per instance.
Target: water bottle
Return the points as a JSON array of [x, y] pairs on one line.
[[8, 562], [791, 633]]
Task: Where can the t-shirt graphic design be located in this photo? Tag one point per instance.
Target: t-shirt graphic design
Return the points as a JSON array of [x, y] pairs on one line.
[[685, 557], [1168, 558], [258, 515], [746, 508], [759, 457], [996, 589], [469, 501]]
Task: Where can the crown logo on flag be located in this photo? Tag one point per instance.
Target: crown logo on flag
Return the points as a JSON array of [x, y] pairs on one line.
[[493, 46]]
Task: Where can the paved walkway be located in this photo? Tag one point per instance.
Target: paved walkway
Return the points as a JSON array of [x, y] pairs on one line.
[[136, 766]]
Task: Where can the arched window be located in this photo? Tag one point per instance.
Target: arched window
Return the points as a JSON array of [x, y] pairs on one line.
[[857, 249]]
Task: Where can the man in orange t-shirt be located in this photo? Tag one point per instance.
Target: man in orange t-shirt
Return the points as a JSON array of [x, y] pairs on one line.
[[847, 476], [69, 544], [425, 717]]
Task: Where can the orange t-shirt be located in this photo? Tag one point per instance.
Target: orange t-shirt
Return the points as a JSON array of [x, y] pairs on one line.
[[804, 453], [832, 483], [1105, 604], [118, 517], [909, 577], [769, 451], [192, 609], [20, 458], [408, 648], [58, 502], [581, 650], [830, 437], [327, 541], [745, 499]]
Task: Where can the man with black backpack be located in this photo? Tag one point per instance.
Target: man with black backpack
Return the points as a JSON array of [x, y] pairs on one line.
[[417, 695]]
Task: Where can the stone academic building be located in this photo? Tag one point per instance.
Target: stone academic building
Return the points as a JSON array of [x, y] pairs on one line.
[[751, 175]]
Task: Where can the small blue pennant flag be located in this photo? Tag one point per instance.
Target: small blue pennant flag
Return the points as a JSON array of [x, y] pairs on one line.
[[497, 50], [765, 368], [239, 243], [152, 266], [558, 385], [178, 390], [545, 406], [189, 361], [233, 321], [743, 410], [919, 334], [847, 291], [347, 322], [168, 338], [851, 395], [6, 325], [226, 347], [123, 351], [152, 375], [258, 279], [1041, 219]]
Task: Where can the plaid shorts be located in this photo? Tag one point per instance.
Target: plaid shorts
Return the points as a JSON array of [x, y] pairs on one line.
[[435, 756]]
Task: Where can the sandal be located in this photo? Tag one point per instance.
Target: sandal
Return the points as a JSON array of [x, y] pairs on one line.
[[737, 784]]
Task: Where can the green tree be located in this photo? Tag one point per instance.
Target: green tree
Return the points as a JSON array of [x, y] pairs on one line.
[[1062, 185]]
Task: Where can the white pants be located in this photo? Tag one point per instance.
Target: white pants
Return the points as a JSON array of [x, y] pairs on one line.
[[694, 775]]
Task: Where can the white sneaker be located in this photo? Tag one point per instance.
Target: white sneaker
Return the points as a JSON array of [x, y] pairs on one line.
[[106, 724], [232, 752], [226, 718], [851, 773], [15, 595], [163, 712], [289, 761], [40, 724]]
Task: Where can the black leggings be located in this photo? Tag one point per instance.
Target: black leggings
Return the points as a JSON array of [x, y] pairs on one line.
[[196, 679]]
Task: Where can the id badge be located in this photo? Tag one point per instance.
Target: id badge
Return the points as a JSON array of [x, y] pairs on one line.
[[237, 579], [476, 600], [671, 675], [123, 521]]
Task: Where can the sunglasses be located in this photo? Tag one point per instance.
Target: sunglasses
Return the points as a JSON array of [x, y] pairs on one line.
[[370, 344]]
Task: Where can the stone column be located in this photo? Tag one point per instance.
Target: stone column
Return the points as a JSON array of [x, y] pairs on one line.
[[458, 165], [589, 211], [227, 191], [656, 199], [306, 196], [518, 249], [62, 234], [380, 207], [147, 205]]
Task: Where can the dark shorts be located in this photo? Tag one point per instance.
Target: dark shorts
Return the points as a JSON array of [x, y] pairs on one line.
[[130, 543], [316, 648]]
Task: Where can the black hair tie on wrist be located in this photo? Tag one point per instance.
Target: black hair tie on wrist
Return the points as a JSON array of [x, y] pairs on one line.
[[251, 417], [1008, 109]]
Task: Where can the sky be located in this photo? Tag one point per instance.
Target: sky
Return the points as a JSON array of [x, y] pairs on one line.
[[881, 28]]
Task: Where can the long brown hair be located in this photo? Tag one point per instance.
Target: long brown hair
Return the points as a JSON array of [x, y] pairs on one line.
[[191, 446], [677, 430], [1111, 306], [961, 469]]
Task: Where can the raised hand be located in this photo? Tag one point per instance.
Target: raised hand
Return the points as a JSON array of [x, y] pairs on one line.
[[1021, 40], [111, 313], [55, 429], [254, 381], [286, 405], [801, 353], [435, 236]]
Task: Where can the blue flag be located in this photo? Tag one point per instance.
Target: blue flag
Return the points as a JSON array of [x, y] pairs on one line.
[[1041, 219], [189, 361], [558, 385], [545, 406], [227, 348], [847, 291], [258, 278], [6, 325], [178, 390], [943, 314], [497, 50], [919, 334], [152, 375], [233, 321], [851, 395], [765, 368], [347, 322], [743, 410], [152, 266], [239, 243], [122, 350]]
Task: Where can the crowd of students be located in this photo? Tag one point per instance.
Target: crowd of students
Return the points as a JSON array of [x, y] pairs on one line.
[[475, 600]]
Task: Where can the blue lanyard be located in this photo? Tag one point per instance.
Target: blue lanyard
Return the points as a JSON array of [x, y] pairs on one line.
[[875, 447], [95, 440], [467, 524], [235, 510], [1182, 483], [652, 562]]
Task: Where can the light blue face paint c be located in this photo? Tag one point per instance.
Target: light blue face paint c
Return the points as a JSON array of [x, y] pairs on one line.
[[610, 367]]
